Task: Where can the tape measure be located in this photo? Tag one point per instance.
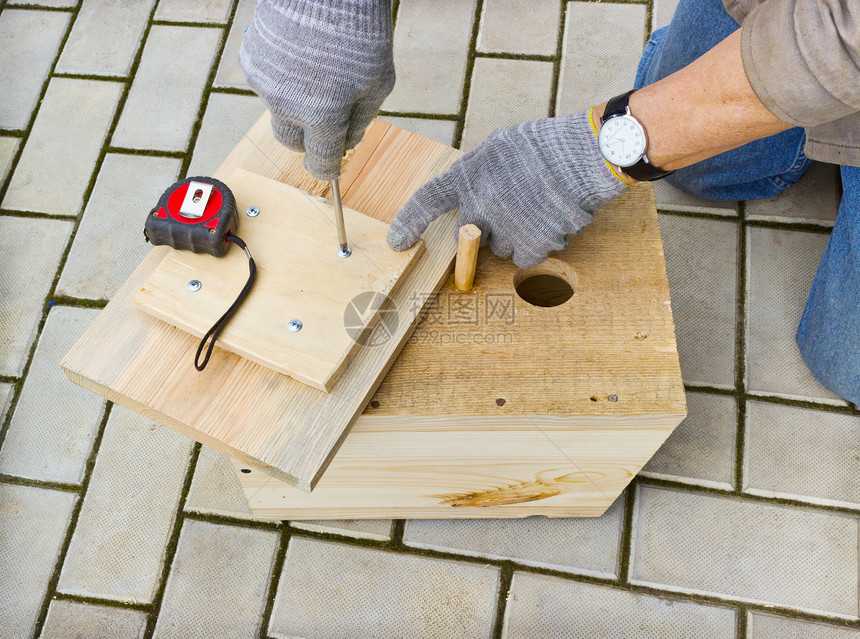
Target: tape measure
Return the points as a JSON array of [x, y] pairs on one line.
[[199, 214], [195, 214]]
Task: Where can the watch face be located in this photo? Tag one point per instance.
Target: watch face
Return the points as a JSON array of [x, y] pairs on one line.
[[622, 140]]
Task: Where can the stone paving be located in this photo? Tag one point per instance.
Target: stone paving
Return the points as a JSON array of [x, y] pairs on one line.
[[744, 525]]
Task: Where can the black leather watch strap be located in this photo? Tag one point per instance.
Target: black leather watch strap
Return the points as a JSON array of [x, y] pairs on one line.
[[616, 106], [643, 170]]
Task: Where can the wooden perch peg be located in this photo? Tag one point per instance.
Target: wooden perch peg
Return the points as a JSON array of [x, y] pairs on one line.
[[467, 257]]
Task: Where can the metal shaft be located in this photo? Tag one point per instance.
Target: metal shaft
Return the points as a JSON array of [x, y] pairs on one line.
[[344, 250]]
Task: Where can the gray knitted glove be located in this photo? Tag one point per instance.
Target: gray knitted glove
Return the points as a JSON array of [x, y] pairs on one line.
[[323, 69], [526, 187]]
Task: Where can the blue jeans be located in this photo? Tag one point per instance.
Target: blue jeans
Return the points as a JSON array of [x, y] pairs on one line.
[[829, 331]]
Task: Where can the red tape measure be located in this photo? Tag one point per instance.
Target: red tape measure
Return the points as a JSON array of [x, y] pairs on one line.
[[199, 214], [195, 214]]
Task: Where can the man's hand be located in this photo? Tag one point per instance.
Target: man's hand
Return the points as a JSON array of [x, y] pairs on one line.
[[323, 70], [526, 187]]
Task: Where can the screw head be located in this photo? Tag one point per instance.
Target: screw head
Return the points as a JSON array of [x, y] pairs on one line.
[[194, 286], [294, 325], [252, 211], [613, 398], [344, 252]]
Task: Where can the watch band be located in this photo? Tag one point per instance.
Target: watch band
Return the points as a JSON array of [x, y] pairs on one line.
[[643, 170]]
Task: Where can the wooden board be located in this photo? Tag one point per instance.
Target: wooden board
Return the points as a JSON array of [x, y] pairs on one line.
[[546, 410], [299, 276], [496, 416], [235, 405]]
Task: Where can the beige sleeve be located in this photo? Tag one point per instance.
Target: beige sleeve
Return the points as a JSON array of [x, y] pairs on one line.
[[802, 58]]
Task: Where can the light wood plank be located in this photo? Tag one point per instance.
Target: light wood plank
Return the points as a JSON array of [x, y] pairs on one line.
[[468, 473], [299, 276], [481, 418], [423, 447], [238, 406]]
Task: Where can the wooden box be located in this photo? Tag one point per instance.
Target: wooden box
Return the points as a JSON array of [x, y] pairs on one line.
[[500, 408], [495, 407]]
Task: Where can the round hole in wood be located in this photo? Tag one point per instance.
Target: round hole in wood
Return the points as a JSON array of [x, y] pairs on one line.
[[549, 284]]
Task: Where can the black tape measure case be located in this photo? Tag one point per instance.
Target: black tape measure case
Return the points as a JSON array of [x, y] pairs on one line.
[[199, 214], [195, 214]]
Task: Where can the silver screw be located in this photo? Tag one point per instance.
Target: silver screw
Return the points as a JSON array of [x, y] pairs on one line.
[[294, 325], [344, 252], [613, 398], [252, 211], [194, 286]]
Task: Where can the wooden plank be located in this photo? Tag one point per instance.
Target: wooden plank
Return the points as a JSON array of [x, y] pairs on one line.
[[536, 430], [544, 410], [240, 407], [468, 473], [299, 273]]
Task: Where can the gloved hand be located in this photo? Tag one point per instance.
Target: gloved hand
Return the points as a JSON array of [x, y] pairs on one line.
[[323, 69], [526, 186]]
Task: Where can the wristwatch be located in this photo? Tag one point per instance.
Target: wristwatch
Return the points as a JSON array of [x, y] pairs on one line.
[[623, 142]]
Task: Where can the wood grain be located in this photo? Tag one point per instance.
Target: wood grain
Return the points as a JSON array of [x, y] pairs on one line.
[[468, 472], [299, 273], [238, 406], [564, 404], [546, 410]]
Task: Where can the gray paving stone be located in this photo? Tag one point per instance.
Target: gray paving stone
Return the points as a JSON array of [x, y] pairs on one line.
[[802, 454], [584, 79], [28, 46], [218, 582], [72, 620], [585, 546], [165, 96], [508, 27], [780, 268], [117, 550], [215, 490], [439, 130], [764, 626], [212, 11], [330, 589], [105, 37], [701, 262], [229, 72], [745, 550], [8, 148], [31, 253], [430, 55], [55, 421], [671, 199], [227, 120], [33, 525], [505, 92], [379, 529], [64, 144], [107, 248], [662, 13], [814, 199], [542, 606], [702, 449]]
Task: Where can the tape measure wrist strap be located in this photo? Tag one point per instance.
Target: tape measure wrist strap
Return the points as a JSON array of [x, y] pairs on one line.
[[218, 326]]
